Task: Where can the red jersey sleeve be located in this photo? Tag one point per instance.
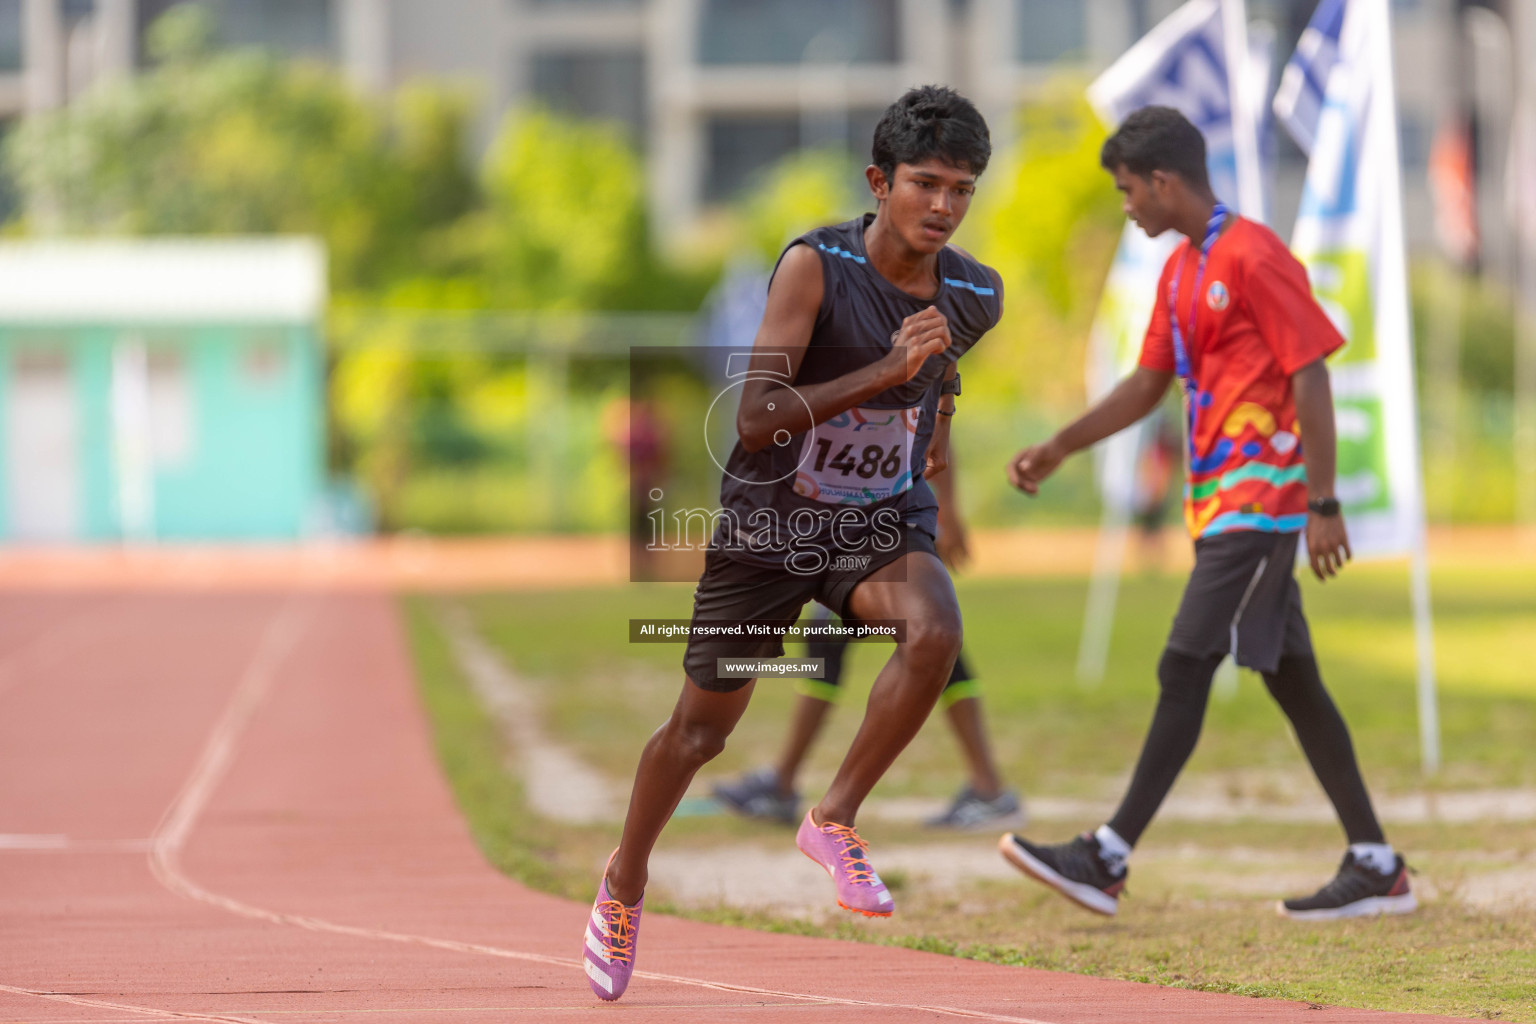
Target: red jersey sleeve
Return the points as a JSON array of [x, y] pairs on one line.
[[1157, 345], [1289, 319]]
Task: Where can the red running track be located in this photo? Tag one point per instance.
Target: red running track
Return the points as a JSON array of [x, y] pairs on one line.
[[225, 807]]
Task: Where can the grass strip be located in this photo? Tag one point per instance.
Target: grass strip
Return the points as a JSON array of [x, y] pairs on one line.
[[1447, 959]]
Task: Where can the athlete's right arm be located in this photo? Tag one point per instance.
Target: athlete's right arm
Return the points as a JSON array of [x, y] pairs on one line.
[[769, 407], [1133, 398]]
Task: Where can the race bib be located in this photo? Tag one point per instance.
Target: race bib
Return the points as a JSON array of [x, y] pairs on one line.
[[859, 457]]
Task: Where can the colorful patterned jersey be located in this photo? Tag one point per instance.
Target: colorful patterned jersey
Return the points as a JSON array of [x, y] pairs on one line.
[[1255, 324]]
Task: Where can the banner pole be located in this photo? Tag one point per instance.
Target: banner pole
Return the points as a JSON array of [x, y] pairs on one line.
[[1424, 642], [1394, 270], [1108, 559]]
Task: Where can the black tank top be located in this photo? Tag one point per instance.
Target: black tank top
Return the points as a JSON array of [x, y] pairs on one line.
[[839, 489]]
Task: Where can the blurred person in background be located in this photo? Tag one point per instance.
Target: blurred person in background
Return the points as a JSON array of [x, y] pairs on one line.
[[637, 431], [1236, 321], [985, 801], [856, 356], [1159, 462]]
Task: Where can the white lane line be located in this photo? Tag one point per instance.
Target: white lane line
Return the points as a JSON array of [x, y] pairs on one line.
[[59, 997], [15, 841], [582, 1007], [85, 1020], [181, 817]]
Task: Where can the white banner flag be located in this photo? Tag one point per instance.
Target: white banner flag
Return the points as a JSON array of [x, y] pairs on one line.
[[1182, 63], [1349, 234]]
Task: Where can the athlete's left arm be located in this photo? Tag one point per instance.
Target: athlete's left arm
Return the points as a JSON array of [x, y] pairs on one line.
[[952, 544], [938, 446], [1327, 539]]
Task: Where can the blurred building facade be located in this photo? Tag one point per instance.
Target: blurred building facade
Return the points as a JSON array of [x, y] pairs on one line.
[[714, 90], [161, 389]]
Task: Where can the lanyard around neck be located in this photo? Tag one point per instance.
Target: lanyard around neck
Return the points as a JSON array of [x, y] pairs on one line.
[[1180, 349]]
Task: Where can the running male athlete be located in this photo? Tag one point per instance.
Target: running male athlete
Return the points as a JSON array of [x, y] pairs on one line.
[[985, 801], [1236, 321], [845, 413]]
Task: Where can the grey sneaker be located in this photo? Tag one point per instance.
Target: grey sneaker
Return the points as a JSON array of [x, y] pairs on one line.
[[969, 811], [756, 795]]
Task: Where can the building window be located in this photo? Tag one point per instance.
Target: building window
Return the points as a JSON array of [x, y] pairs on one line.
[[1050, 30], [288, 27], [172, 422], [41, 462], [10, 35], [795, 31], [593, 84], [743, 147], [740, 148]]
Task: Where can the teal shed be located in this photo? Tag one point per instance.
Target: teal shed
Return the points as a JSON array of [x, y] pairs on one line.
[[161, 390]]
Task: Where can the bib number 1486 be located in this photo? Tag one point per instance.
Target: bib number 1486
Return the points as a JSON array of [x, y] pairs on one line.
[[872, 459], [860, 457]]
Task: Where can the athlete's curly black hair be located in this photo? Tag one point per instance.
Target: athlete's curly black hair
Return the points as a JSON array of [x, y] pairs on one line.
[[1157, 139], [931, 121]]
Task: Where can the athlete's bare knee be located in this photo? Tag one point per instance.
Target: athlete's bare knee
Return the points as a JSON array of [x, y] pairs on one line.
[[933, 640], [697, 741]]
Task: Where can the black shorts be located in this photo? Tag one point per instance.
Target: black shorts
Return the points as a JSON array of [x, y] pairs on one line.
[[731, 590], [1242, 599]]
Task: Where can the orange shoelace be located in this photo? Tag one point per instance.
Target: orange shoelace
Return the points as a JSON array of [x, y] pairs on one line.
[[857, 867], [620, 943]]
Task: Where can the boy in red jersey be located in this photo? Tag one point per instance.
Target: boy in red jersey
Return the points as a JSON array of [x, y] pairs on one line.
[[1236, 321]]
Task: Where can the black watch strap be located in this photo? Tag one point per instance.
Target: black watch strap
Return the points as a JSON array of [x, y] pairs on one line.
[[1324, 506], [951, 386]]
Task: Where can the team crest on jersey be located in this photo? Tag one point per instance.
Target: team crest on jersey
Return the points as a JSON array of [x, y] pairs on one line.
[[1217, 297]]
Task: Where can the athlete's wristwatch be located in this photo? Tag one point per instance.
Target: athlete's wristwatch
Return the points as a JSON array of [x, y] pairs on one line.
[[951, 386], [1324, 506]]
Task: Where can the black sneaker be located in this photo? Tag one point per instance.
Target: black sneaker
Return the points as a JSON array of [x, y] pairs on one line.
[[1076, 870], [1358, 890], [756, 795]]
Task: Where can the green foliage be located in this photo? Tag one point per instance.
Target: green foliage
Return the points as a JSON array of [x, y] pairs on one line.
[[1464, 345], [565, 213], [800, 192], [1046, 218], [186, 32], [210, 142], [242, 143], [1481, 311]]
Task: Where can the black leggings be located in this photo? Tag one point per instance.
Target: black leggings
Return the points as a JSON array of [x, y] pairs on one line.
[[1298, 688]]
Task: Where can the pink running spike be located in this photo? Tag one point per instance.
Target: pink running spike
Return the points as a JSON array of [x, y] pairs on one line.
[[608, 954], [845, 856]]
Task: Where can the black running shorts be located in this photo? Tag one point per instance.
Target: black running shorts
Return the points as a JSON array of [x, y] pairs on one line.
[[730, 591], [1242, 599]]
